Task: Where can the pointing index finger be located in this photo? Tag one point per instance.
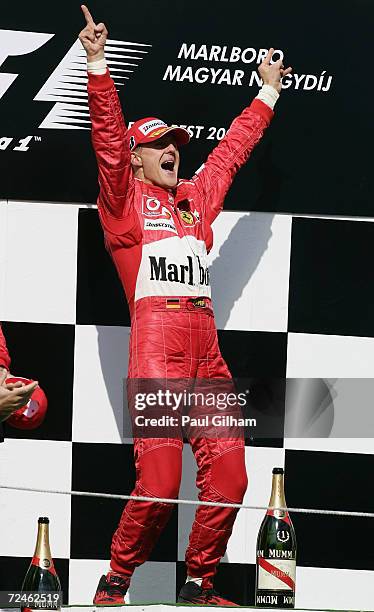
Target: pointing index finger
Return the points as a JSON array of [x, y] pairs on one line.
[[87, 15], [269, 56]]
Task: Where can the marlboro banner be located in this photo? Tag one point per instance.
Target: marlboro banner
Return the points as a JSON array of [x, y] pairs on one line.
[[195, 67]]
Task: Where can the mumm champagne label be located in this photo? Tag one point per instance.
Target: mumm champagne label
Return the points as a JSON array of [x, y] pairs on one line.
[[275, 600], [276, 575]]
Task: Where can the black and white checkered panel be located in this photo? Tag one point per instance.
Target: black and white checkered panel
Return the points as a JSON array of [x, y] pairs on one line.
[[38, 255], [331, 336], [291, 296]]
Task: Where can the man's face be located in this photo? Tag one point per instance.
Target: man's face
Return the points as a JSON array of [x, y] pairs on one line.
[[159, 162]]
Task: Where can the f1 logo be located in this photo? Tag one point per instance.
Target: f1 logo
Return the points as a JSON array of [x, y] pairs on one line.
[[64, 86], [14, 42]]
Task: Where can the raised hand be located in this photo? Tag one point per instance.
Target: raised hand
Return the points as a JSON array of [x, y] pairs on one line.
[[93, 37], [271, 74]]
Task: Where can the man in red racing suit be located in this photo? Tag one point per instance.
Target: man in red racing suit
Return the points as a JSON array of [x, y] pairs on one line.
[[158, 232]]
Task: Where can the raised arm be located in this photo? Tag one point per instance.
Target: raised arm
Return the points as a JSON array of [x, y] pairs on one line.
[[109, 133], [214, 178]]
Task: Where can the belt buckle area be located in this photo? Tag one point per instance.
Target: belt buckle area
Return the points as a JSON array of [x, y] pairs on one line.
[[178, 304], [197, 303]]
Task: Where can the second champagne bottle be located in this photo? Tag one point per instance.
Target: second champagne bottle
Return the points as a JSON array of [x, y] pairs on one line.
[[276, 552], [41, 577]]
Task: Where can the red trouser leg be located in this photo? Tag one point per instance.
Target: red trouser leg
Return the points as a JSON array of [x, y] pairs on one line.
[[158, 468], [221, 478], [158, 461]]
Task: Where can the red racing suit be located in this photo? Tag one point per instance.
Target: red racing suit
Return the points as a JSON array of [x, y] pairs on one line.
[[159, 240]]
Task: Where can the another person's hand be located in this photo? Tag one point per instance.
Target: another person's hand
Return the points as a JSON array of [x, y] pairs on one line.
[[93, 37], [13, 395], [271, 74], [3, 374]]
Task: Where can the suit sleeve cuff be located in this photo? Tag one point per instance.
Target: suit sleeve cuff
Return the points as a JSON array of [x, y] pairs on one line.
[[99, 82], [269, 95], [259, 107]]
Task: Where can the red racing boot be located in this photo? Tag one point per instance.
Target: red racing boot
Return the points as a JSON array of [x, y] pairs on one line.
[[111, 589], [193, 594]]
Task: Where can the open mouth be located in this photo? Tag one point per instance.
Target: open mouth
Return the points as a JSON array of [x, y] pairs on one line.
[[168, 165]]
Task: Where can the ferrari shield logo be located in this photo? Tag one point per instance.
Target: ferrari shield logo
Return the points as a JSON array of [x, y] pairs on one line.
[[187, 217]]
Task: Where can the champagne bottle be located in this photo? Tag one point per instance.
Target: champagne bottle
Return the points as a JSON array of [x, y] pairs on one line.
[[41, 576], [276, 552]]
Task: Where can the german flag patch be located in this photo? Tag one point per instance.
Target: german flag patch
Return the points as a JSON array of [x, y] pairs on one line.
[[173, 303]]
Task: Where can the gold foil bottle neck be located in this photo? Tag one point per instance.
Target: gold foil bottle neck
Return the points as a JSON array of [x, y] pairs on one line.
[[277, 497], [42, 548]]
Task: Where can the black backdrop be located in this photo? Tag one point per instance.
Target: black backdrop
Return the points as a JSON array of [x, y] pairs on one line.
[[317, 155]]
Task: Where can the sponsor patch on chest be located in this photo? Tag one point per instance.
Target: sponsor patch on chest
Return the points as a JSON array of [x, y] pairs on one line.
[[163, 270], [160, 224], [152, 207]]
